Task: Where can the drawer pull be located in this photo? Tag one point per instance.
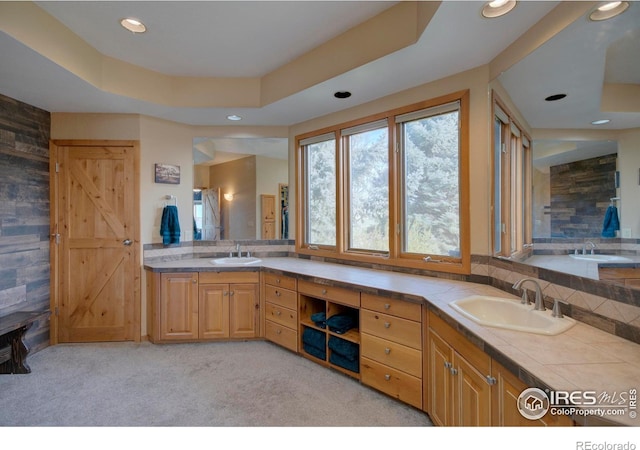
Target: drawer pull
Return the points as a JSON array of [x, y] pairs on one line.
[[324, 292], [278, 331], [387, 377], [277, 280], [453, 371], [277, 293], [387, 306], [387, 324], [194, 281], [278, 313], [387, 351]]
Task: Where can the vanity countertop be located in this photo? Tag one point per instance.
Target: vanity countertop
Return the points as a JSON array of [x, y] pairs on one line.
[[582, 358], [582, 268]]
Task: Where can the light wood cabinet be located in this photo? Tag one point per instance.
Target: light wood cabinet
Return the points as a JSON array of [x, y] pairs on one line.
[[281, 310], [506, 391], [459, 379], [202, 306], [178, 306], [391, 342]]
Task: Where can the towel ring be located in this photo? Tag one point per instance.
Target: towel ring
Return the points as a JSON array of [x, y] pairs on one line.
[[171, 197]]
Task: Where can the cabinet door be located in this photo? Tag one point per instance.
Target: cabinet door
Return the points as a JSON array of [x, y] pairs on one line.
[[214, 311], [440, 363], [506, 391], [243, 312], [179, 306], [471, 395]]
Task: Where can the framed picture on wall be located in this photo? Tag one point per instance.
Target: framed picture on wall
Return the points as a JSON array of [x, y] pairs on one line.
[[167, 173]]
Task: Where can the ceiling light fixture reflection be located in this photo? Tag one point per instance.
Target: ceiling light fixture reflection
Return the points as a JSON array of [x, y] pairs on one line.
[[600, 122], [555, 97], [497, 8], [608, 10], [228, 196], [133, 25], [342, 94], [234, 117]]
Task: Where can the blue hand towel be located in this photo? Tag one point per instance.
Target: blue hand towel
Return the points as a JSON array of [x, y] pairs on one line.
[[341, 323], [339, 360], [346, 349], [170, 225], [611, 223]]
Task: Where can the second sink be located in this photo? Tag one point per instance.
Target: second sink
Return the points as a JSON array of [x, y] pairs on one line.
[[237, 260], [510, 314]]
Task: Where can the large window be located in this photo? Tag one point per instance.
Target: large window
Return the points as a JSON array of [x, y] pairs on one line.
[[392, 186], [320, 188], [512, 185], [430, 145], [367, 147]]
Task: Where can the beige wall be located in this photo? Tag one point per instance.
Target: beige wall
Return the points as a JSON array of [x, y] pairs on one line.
[[476, 80], [269, 174], [629, 167], [237, 177]]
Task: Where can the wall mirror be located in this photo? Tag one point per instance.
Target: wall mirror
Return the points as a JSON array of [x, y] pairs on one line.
[[586, 63], [230, 176]]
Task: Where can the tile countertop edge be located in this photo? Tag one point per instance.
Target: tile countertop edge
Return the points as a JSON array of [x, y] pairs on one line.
[[390, 284]]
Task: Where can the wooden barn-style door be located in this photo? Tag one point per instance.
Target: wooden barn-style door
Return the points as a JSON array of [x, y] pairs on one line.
[[95, 269]]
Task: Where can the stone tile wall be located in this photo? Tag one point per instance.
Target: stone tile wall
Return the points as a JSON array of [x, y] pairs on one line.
[[24, 213]]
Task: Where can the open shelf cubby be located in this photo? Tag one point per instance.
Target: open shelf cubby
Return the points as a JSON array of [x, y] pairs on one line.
[[335, 345]]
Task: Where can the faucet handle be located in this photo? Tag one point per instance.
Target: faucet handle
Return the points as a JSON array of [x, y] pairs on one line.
[[557, 311], [525, 298]]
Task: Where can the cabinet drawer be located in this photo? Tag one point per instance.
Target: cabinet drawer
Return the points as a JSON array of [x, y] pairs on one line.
[[229, 277], [392, 382], [395, 307], [280, 281], [396, 329], [332, 293], [391, 354], [280, 335], [283, 316], [282, 297]]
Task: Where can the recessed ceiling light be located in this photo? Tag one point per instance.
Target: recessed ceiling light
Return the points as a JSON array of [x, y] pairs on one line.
[[234, 117], [555, 97], [600, 122], [342, 94], [608, 10], [497, 8], [133, 25]]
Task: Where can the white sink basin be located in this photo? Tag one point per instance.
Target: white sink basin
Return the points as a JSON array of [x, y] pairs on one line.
[[510, 314], [601, 258], [236, 260]]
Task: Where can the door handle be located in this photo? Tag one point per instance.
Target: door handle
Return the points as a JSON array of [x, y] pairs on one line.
[[127, 242]]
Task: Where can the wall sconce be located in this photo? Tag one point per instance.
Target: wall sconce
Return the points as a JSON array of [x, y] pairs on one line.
[[228, 196]]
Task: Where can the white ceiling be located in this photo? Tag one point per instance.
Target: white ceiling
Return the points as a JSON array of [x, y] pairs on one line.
[[250, 39]]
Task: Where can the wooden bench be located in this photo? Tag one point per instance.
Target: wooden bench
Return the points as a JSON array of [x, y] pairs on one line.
[[13, 349]]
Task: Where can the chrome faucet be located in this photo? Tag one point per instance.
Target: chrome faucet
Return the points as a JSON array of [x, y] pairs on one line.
[[238, 250], [539, 304], [584, 247]]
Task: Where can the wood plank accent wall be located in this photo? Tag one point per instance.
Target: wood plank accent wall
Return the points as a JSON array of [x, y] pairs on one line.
[[24, 213], [580, 194]]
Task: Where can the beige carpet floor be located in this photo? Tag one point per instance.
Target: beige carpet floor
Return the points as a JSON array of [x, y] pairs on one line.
[[218, 384]]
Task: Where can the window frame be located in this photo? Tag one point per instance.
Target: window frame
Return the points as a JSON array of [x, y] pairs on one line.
[[395, 257], [513, 187]]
